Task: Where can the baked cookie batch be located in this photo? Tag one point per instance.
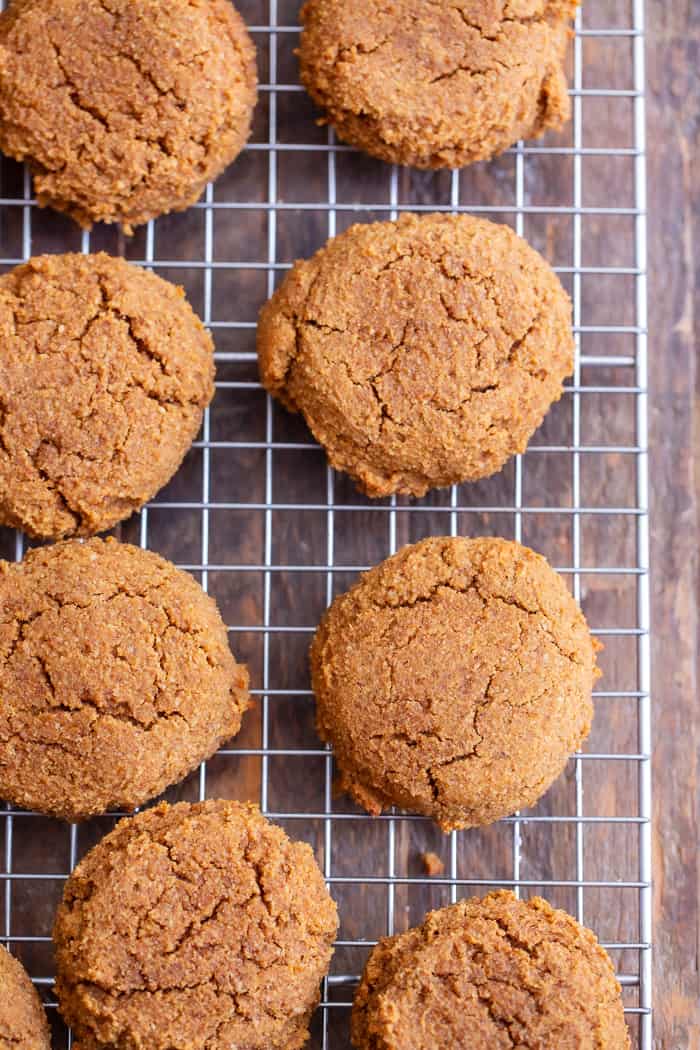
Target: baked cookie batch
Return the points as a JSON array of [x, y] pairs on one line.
[[453, 680]]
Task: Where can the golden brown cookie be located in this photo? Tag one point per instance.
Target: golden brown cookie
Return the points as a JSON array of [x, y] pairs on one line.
[[104, 375], [490, 974], [22, 1019], [437, 83], [197, 926], [116, 678], [454, 680], [124, 110], [421, 352]]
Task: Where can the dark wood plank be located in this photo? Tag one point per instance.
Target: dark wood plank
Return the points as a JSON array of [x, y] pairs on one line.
[[674, 205]]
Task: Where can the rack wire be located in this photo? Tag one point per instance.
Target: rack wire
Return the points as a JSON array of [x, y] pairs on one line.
[[274, 534]]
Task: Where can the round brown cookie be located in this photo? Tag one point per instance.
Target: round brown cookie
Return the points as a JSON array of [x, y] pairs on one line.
[[104, 376], [116, 678], [421, 352], [22, 1018], [490, 974], [198, 926], [124, 110], [454, 680], [437, 83]]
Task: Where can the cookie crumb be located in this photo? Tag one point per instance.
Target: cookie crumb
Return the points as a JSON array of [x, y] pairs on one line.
[[432, 864]]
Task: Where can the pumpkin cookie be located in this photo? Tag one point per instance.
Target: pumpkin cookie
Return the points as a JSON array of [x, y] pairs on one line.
[[421, 352], [454, 680], [437, 83], [124, 110], [490, 974], [198, 926], [116, 678], [22, 1018], [104, 376]]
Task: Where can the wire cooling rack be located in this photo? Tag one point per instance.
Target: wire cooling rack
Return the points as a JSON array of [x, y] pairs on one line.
[[273, 534]]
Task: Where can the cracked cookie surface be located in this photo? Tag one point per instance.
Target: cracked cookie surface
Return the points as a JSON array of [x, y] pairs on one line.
[[437, 83], [124, 110], [104, 376], [22, 1019], [116, 678], [454, 680], [194, 926], [421, 352], [490, 974]]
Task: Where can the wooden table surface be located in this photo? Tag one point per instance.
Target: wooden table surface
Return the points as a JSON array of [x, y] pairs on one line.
[[674, 209], [673, 55]]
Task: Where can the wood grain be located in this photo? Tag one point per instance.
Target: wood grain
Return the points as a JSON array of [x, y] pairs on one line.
[[674, 209]]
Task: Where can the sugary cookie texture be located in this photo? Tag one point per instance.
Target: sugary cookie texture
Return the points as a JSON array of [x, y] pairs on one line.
[[22, 1019]]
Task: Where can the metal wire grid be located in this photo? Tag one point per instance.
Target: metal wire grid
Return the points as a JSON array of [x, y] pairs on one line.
[[337, 992]]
